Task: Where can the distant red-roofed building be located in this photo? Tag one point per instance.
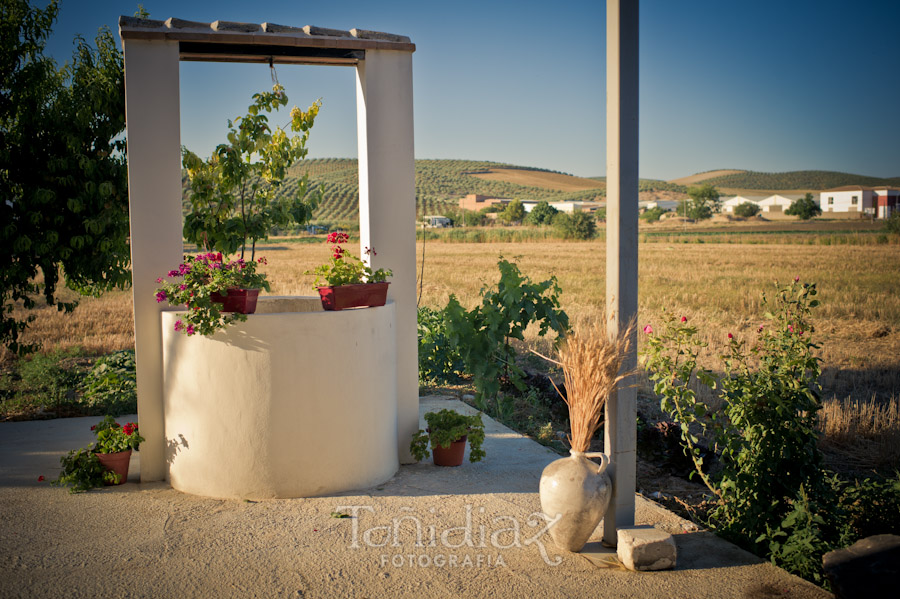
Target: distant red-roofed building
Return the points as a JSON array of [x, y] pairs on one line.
[[475, 201]]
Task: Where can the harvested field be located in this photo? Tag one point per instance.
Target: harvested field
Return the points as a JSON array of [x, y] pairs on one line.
[[700, 177], [716, 286]]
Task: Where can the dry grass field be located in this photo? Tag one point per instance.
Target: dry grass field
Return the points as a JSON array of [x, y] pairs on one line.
[[541, 179], [716, 286]]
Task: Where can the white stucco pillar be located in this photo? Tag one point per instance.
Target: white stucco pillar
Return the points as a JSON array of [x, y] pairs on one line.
[[154, 197], [387, 208], [621, 247]]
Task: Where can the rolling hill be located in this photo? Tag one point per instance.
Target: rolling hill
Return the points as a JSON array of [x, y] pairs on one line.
[[737, 181], [699, 177], [440, 184]]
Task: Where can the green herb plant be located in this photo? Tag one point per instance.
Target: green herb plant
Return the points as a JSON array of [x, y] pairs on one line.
[[445, 427]]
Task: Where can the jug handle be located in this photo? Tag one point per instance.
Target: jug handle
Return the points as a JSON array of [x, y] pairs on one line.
[[604, 459]]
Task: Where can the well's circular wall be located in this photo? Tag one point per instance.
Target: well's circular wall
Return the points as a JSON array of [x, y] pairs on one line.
[[287, 404]]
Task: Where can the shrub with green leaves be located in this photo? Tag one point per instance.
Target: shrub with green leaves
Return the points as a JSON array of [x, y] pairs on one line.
[[439, 362], [652, 215], [765, 431], [805, 208], [772, 495], [541, 214], [81, 471], [578, 225], [483, 335], [892, 224], [747, 209], [111, 385], [46, 380], [843, 513]]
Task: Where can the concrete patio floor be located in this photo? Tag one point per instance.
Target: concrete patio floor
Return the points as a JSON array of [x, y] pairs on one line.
[[479, 526]]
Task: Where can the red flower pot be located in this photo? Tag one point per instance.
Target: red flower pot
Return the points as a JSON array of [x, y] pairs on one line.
[[353, 296], [242, 301], [116, 462], [450, 456]]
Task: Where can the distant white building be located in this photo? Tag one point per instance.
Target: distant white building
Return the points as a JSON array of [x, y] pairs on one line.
[[778, 202], [773, 204], [567, 207], [879, 201], [669, 205], [730, 204]]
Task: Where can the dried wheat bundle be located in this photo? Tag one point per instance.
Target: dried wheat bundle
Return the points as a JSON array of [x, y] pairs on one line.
[[592, 365]]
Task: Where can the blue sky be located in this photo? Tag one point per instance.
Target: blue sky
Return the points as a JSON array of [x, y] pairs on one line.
[[768, 85]]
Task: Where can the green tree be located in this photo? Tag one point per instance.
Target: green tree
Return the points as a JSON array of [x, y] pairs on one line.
[[513, 213], [747, 209], [578, 225], [805, 208], [235, 194], [63, 178], [704, 201], [541, 214], [652, 215]]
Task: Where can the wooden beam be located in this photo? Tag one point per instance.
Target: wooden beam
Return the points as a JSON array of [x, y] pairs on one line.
[[222, 52]]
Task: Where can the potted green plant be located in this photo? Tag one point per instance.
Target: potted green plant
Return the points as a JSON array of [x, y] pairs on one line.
[[216, 293], [348, 281], [447, 432], [105, 462]]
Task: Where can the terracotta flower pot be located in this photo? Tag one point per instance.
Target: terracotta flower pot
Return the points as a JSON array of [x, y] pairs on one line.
[[450, 456], [242, 301], [353, 296], [116, 462]]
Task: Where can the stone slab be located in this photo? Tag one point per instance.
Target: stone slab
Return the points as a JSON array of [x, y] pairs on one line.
[[868, 568], [646, 548]]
